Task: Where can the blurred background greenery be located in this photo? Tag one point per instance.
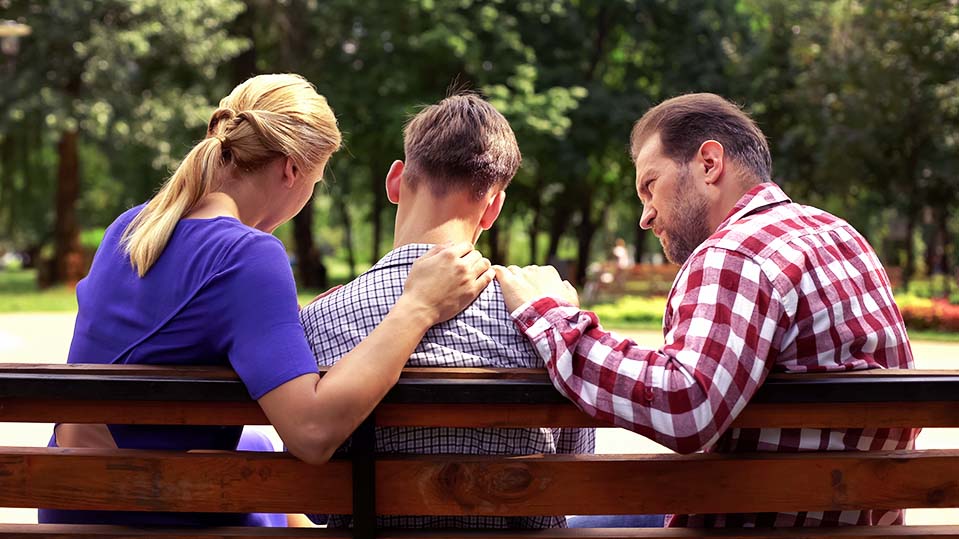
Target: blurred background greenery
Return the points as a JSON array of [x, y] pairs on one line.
[[859, 98]]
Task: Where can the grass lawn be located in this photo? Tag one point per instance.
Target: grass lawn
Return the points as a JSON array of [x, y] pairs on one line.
[[19, 293]]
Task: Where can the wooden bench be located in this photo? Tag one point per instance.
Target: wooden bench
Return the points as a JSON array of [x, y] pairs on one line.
[[607, 282], [369, 484]]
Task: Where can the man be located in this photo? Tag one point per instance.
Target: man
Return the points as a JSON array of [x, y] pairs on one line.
[[765, 285], [460, 156]]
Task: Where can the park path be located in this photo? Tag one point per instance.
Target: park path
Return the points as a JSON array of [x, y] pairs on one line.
[[45, 338]]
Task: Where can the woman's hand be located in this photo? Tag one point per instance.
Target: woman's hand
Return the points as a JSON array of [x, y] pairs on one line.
[[521, 285], [445, 281]]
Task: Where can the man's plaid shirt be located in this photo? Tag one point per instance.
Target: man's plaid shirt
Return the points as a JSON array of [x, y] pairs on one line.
[[778, 287], [481, 336]]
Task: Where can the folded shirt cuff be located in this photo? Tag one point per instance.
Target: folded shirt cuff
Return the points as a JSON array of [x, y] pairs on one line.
[[531, 312]]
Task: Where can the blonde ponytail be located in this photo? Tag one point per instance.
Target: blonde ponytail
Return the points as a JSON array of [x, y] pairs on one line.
[[148, 234], [266, 117]]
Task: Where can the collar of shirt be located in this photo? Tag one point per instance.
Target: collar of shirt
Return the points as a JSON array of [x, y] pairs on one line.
[[756, 199], [404, 255]]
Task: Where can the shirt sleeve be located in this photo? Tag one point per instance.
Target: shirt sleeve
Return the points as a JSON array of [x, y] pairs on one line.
[[264, 340], [721, 326]]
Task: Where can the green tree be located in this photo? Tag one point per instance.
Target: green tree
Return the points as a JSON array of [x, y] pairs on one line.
[[875, 83], [131, 78]]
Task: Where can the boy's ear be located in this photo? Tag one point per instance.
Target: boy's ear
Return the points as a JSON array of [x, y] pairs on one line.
[[493, 208], [394, 179]]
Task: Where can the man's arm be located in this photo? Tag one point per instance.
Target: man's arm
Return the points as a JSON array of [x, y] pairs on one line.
[[723, 323]]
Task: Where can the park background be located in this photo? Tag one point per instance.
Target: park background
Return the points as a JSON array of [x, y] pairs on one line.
[[859, 100]]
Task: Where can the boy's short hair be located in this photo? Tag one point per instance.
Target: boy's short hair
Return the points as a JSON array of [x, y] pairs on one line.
[[462, 142]]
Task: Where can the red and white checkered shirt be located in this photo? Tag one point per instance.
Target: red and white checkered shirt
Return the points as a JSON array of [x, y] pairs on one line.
[[779, 286]]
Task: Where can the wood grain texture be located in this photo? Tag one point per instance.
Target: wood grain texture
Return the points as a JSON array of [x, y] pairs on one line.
[[139, 480], [56, 531], [131, 412], [508, 387], [92, 531], [480, 485], [638, 484], [225, 373], [808, 415]]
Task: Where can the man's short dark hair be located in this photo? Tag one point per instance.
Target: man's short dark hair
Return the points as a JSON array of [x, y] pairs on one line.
[[685, 122], [462, 142]]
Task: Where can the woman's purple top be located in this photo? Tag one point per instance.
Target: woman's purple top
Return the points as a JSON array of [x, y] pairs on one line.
[[221, 293]]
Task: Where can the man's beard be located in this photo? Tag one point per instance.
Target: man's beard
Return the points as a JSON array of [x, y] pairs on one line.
[[688, 229]]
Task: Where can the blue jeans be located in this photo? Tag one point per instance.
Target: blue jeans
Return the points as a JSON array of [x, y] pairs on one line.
[[616, 521]]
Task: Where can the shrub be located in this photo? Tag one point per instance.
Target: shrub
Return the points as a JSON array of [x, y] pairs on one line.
[[632, 310], [938, 315]]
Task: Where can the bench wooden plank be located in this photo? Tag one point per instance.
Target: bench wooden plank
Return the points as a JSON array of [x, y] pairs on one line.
[[479, 485], [457, 386], [849, 415], [139, 480], [222, 373], [131, 412], [214, 395], [756, 415], [637, 484], [55, 531], [800, 415], [93, 531]]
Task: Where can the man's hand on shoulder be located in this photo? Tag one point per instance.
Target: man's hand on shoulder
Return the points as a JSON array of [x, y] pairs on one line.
[[521, 285]]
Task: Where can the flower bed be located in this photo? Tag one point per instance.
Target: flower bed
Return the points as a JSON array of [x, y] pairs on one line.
[[932, 314]]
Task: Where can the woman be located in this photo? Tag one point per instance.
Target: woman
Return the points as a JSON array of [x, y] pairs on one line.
[[195, 277]]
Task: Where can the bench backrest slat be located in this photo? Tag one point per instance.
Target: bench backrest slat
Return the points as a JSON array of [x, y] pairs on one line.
[[95, 531], [214, 396], [230, 481], [137, 480], [479, 485], [802, 415], [462, 386], [54, 531]]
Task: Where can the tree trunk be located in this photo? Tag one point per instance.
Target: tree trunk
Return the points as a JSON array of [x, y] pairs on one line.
[[348, 237], [533, 232], [640, 239], [584, 238], [376, 215], [907, 271], [8, 208], [310, 267], [244, 65], [557, 226], [496, 245], [930, 238], [67, 263], [537, 209], [943, 250]]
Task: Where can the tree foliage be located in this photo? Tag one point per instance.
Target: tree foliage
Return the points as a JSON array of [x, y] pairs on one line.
[[859, 98]]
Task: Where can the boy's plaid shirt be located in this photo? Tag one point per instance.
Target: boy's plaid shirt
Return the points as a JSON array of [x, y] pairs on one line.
[[483, 335], [780, 287]]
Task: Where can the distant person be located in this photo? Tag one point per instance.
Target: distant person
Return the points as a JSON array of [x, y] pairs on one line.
[[621, 255], [766, 285], [460, 156], [194, 277], [623, 263]]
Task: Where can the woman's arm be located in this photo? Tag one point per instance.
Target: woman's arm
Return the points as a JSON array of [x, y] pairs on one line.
[[315, 416]]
